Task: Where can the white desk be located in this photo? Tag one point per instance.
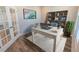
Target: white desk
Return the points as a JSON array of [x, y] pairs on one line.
[[53, 33]]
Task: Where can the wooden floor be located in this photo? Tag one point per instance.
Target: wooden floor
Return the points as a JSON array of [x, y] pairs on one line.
[[24, 45], [68, 45]]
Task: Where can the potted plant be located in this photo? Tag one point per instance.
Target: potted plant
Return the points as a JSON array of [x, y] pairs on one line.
[[68, 29]]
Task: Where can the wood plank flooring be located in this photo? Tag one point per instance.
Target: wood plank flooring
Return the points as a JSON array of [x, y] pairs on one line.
[[68, 45], [24, 45]]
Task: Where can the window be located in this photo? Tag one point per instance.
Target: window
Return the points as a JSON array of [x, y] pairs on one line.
[[77, 36], [77, 29]]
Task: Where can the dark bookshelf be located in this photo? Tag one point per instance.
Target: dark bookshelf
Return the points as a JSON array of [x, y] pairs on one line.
[[57, 16]]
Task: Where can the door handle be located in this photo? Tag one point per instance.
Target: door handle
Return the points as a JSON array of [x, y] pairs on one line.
[[11, 27]]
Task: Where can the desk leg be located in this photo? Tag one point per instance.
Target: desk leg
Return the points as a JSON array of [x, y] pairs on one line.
[[54, 46], [32, 35]]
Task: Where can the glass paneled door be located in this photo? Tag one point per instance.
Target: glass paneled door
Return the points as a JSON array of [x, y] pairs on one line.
[[14, 21], [8, 27]]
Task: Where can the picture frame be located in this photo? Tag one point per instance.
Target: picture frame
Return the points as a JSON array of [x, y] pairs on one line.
[[29, 14]]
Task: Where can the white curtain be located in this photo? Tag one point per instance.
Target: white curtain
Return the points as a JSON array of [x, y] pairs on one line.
[[77, 30]]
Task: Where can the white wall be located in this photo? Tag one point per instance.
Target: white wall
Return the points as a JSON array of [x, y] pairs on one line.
[[25, 24], [72, 11], [41, 15]]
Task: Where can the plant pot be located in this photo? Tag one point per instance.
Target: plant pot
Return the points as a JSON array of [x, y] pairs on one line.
[[67, 34]]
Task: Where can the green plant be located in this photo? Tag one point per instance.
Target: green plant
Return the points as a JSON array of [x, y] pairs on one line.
[[69, 27]]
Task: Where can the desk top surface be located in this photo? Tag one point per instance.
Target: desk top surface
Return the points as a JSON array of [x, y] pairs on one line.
[[52, 31]]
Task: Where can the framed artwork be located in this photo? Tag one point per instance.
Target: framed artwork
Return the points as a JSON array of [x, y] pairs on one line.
[[29, 14]]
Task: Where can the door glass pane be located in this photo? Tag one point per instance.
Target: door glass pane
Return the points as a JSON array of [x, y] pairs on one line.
[[6, 25], [9, 37], [15, 33], [1, 26], [0, 17], [5, 18], [4, 41], [2, 33], [7, 31]]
